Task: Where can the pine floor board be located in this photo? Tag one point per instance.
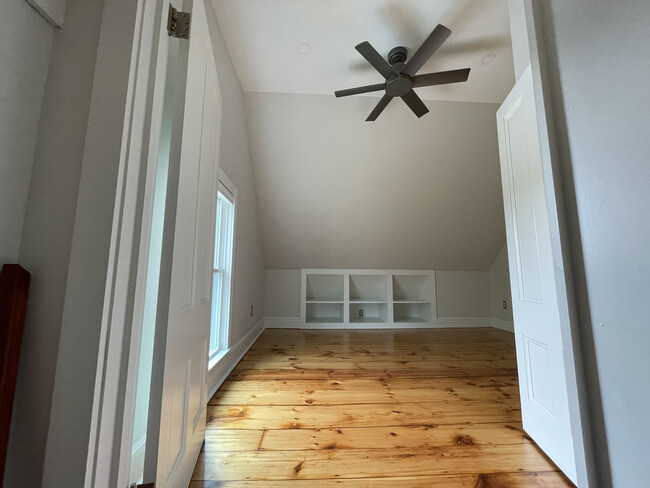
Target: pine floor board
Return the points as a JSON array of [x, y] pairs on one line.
[[404, 408]]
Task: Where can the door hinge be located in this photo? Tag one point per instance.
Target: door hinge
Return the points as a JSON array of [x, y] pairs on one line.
[[178, 23]]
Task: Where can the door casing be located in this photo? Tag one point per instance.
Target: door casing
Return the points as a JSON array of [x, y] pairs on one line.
[[109, 412]]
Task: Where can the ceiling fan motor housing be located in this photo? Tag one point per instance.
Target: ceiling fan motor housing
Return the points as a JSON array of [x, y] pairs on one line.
[[397, 55], [398, 85]]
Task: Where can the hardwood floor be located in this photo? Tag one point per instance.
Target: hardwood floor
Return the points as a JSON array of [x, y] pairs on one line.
[[402, 409]]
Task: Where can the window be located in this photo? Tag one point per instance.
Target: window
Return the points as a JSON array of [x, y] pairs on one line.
[[222, 269]]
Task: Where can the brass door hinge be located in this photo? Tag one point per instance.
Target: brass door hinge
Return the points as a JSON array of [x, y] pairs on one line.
[[178, 23]]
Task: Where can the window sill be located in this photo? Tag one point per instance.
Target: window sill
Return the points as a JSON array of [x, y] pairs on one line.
[[214, 360]]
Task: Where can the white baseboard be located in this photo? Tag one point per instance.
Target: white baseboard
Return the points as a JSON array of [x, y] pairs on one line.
[[503, 325], [224, 367], [441, 322]]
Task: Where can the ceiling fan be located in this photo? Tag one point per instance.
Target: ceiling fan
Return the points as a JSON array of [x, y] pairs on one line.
[[401, 76]]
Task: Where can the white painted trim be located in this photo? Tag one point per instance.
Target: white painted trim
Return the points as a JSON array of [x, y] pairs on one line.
[[109, 446], [224, 367], [228, 183], [503, 325], [441, 322]]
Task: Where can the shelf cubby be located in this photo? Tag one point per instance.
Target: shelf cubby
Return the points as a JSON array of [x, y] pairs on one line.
[[373, 312], [412, 312], [412, 288], [324, 287], [368, 288], [319, 313]]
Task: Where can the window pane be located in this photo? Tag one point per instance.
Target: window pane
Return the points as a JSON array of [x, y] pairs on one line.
[[217, 281], [217, 232]]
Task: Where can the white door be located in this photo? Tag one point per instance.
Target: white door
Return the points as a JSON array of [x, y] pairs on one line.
[[542, 375], [178, 400]]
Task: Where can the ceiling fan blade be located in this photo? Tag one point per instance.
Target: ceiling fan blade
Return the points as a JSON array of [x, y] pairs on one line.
[[374, 58], [426, 50], [379, 108], [441, 78], [360, 89], [415, 103]]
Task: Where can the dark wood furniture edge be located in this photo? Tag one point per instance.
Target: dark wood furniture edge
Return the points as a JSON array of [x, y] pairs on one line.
[[14, 287]]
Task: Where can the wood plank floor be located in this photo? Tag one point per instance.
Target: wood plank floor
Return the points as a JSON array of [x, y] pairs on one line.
[[403, 409]]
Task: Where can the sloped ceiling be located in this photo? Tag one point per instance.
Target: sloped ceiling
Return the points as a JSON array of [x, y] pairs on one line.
[[336, 192], [265, 39]]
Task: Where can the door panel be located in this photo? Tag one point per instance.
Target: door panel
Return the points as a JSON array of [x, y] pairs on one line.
[[542, 372], [538, 367], [189, 232]]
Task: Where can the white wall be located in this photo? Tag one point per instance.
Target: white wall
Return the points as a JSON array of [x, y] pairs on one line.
[[282, 295], [398, 193], [463, 294], [499, 277], [47, 231], [248, 266], [599, 69], [25, 45]]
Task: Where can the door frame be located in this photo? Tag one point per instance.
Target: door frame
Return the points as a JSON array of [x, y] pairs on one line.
[[109, 449], [106, 447]]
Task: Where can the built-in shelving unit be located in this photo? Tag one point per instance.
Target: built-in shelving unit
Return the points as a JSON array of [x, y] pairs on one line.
[[367, 298]]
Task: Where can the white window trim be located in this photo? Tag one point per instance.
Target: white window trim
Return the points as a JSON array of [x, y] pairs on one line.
[[227, 182]]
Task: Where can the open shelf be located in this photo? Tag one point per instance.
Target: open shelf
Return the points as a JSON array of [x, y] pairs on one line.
[[334, 298], [368, 287], [412, 312], [324, 287], [412, 288], [318, 313], [373, 312]]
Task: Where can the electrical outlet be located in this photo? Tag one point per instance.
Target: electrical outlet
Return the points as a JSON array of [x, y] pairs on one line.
[[361, 312], [252, 310], [505, 304]]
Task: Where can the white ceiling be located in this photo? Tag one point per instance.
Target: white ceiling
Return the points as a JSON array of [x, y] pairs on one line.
[[264, 37]]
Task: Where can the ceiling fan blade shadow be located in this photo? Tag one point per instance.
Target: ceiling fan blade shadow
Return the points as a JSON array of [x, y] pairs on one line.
[[360, 89], [415, 103], [485, 44], [403, 21], [375, 59], [379, 108], [441, 78], [427, 49]]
